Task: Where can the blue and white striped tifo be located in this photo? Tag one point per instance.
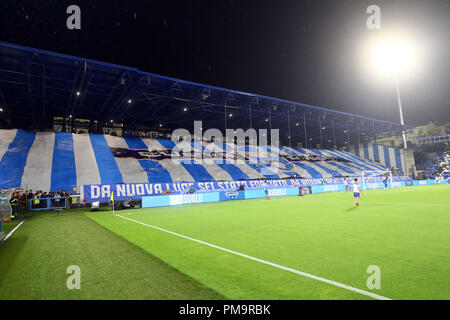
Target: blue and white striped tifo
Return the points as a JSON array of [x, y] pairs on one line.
[[388, 156], [51, 161]]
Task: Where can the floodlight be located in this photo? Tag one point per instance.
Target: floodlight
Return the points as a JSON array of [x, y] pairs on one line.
[[392, 56], [392, 53]]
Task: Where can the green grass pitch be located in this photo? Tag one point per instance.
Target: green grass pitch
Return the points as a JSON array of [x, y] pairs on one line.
[[404, 231]]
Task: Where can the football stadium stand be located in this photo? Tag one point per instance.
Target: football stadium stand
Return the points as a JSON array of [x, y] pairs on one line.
[[52, 161], [69, 122], [440, 168], [387, 156]]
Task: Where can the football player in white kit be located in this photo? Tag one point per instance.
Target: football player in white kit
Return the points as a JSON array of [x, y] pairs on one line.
[[356, 191]]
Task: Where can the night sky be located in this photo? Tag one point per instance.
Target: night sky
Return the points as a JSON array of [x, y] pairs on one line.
[[304, 51]]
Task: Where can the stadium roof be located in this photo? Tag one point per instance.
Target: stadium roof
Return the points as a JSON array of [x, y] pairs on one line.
[[37, 85]]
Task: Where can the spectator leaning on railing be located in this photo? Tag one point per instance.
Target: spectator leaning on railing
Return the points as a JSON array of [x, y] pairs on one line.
[[20, 201]]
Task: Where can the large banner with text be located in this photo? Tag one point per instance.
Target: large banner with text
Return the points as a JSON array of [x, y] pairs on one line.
[[126, 191]]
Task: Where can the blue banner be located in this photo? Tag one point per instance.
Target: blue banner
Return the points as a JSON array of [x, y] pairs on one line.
[[423, 182], [179, 199], [253, 194], [126, 191], [204, 197], [232, 195]]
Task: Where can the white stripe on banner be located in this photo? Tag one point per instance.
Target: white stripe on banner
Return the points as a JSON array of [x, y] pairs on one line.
[[361, 150], [131, 169], [368, 163], [370, 149], [324, 164], [37, 174], [324, 173], [392, 157], [373, 165], [342, 164], [308, 151], [7, 137], [402, 159], [85, 163], [359, 160], [333, 167], [249, 171], [212, 168], [264, 152], [381, 153], [379, 166], [177, 172]]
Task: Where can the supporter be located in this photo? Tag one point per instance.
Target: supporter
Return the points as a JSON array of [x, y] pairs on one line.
[[36, 201], [22, 202], [14, 202], [39, 198], [68, 200]]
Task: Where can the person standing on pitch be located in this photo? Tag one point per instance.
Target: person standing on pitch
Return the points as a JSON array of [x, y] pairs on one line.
[[356, 191], [266, 191], [345, 184], [385, 181]]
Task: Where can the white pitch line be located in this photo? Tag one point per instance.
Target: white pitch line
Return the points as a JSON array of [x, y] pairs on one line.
[[398, 203], [13, 230], [308, 275]]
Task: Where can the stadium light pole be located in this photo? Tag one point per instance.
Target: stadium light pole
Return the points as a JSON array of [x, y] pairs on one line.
[[400, 110], [393, 56], [402, 122]]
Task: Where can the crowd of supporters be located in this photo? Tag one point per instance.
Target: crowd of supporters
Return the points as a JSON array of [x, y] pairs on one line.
[[440, 168], [20, 201]]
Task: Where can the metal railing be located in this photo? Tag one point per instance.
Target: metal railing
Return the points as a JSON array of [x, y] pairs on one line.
[[47, 203]]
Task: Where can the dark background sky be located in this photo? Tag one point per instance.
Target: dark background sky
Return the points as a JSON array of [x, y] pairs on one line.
[[305, 51]]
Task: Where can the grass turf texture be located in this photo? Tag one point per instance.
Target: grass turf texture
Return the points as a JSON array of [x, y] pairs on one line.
[[34, 260], [10, 225], [403, 231]]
